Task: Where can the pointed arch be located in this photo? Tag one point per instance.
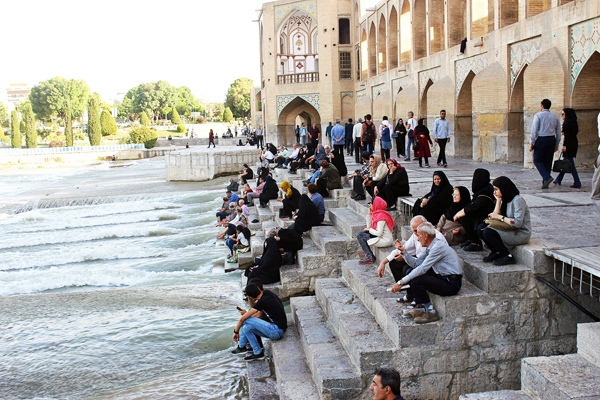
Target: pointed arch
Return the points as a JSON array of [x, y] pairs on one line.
[[382, 45], [405, 33], [437, 39], [364, 55], [372, 51], [419, 30], [393, 39]]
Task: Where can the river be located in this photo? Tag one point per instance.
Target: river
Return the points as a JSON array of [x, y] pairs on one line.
[[112, 286]]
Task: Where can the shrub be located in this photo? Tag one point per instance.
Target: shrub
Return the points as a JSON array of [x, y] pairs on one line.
[[175, 118], [180, 128], [150, 143], [227, 115], [79, 135], [57, 143], [109, 126], [2, 137], [143, 134], [94, 128], [200, 120], [15, 135], [144, 120]]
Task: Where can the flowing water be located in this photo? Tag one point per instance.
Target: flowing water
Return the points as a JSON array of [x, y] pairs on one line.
[[117, 297]]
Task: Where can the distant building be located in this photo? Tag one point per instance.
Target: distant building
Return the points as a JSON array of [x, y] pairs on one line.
[[16, 93]]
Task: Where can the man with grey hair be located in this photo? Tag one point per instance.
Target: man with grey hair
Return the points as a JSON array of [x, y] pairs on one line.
[[438, 270], [338, 134], [356, 132], [411, 124]]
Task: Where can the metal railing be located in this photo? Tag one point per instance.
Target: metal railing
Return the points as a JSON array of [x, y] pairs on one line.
[[298, 78]]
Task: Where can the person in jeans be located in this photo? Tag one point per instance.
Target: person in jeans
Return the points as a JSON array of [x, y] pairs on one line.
[[349, 127], [303, 133], [438, 270], [545, 137], [570, 144], [251, 324], [380, 232], [259, 137], [356, 133], [338, 134], [441, 134], [411, 125]]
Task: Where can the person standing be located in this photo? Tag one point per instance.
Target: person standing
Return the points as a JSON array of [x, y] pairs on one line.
[[315, 134], [356, 133], [423, 141], [259, 137], [349, 142], [328, 134], [411, 125], [386, 139], [338, 134], [570, 145], [303, 134], [211, 138], [368, 134], [441, 134], [297, 134], [596, 178], [400, 136], [545, 137]]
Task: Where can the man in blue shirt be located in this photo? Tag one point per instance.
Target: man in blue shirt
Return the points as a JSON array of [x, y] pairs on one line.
[[317, 199], [338, 134], [303, 133], [233, 198], [328, 133], [545, 137], [441, 133]]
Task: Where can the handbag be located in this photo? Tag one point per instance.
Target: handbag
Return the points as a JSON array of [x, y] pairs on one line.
[[415, 146], [562, 165], [500, 225], [395, 135]]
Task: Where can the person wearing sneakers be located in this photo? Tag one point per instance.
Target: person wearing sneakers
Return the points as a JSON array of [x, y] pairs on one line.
[[380, 233], [251, 323], [545, 137], [438, 270]]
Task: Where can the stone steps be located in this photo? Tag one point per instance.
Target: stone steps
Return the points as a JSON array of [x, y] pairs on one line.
[[332, 241], [313, 261], [499, 395], [347, 220], [264, 214], [365, 342], [294, 379], [332, 371], [588, 342], [560, 378]]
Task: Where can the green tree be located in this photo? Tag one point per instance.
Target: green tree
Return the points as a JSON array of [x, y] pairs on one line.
[[22, 127], [175, 119], [30, 132], [109, 126], [50, 98], [151, 97], [227, 115], [94, 128], [15, 132], [69, 126], [126, 110], [144, 120], [238, 97], [3, 113], [55, 129]]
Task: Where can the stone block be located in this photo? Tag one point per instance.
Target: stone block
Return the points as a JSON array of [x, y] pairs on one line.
[[433, 386], [509, 375], [469, 301], [553, 346], [347, 221], [480, 379], [436, 361], [262, 389], [330, 239], [496, 395], [492, 278], [588, 342], [503, 351], [530, 318]]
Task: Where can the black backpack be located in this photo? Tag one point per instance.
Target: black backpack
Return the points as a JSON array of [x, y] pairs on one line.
[[369, 134]]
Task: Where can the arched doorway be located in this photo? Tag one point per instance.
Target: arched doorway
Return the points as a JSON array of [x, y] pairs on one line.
[[585, 100], [517, 140], [423, 105], [297, 110], [464, 119], [347, 107]]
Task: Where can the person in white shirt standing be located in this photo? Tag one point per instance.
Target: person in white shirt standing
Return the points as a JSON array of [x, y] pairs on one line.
[[411, 124], [441, 133], [356, 132], [596, 178]]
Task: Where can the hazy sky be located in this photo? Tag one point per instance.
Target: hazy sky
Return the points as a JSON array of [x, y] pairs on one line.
[[116, 45]]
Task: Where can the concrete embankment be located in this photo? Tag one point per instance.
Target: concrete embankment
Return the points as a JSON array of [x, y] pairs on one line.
[[204, 164]]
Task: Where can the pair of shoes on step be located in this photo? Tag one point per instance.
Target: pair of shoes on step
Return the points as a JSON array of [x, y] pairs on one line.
[[499, 259], [421, 314], [367, 260], [248, 357]]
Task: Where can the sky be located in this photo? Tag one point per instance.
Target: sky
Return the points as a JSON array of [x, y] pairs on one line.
[[117, 45]]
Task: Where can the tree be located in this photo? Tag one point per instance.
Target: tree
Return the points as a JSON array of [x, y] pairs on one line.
[[227, 115], [144, 120], [94, 128], [22, 127], [15, 132], [175, 119], [109, 126], [151, 97], [3, 113], [238, 97], [50, 98], [68, 126], [30, 132], [126, 110]]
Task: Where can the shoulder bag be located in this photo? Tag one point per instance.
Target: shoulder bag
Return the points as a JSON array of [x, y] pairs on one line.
[[497, 224], [562, 165]]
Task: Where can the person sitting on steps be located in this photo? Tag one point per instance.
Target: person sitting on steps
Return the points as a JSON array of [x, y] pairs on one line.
[[395, 184], [453, 231], [359, 177], [311, 211], [291, 198], [233, 185], [438, 270], [329, 178], [380, 231]]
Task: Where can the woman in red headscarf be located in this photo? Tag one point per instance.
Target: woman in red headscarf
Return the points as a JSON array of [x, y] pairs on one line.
[[395, 184], [379, 232]]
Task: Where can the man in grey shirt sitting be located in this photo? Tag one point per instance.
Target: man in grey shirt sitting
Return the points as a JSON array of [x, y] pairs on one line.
[[438, 270], [545, 137]]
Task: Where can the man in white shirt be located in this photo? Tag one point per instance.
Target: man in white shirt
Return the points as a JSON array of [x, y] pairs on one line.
[[411, 124], [441, 133], [356, 132], [398, 266]]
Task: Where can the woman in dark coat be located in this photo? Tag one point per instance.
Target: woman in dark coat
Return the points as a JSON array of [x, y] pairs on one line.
[[310, 151], [307, 217], [267, 269], [294, 165], [338, 161], [395, 184], [570, 128], [400, 133], [289, 240], [247, 173], [269, 192], [473, 214], [423, 141], [291, 198], [437, 201]]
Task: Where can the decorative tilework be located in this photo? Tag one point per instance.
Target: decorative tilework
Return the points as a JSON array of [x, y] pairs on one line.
[[377, 90], [424, 76], [585, 40], [312, 98], [308, 6], [462, 68], [523, 53], [400, 83], [351, 94]]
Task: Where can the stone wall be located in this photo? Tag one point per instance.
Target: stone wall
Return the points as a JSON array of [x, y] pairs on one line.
[[198, 142], [205, 164], [80, 157]]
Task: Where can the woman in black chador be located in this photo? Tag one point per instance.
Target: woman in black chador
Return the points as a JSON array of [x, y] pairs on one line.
[[437, 201]]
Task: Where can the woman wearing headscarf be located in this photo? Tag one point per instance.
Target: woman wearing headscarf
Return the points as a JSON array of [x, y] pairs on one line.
[[437, 201], [289, 240], [473, 214], [310, 151], [267, 269], [294, 165], [272, 149], [291, 198], [511, 209], [269, 192], [380, 231], [386, 138], [337, 159], [423, 141], [393, 185], [570, 128], [454, 231], [377, 172], [400, 135], [320, 155], [307, 216], [246, 174]]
